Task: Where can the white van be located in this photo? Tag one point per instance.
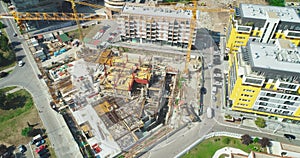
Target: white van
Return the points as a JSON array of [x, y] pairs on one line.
[[20, 63]]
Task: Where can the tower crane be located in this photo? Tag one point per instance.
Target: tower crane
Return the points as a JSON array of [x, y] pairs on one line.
[[23, 16]]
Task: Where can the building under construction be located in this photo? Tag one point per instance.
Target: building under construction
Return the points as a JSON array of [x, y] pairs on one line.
[[117, 102], [148, 24]]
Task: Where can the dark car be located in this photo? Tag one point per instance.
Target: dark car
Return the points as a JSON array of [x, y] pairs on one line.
[[290, 137], [43, 152], [203, 90], [3, 74], [40, 76], [217, 70], [45, 155], [15, 34]]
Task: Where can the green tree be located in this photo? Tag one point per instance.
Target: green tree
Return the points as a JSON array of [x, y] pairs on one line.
[[25, 131], [4, 43], [1, 25], [255, 140], [226, 140], [260, 122], [276, 2], [2, 98]]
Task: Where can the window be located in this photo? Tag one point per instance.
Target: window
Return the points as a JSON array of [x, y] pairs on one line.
[[263, 103], [271, 95], [240, 37], [244, 100], [289, 103], [248, 90], [264, 99]]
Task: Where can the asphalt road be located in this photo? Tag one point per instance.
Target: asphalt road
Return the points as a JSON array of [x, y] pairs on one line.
[[26, 77]]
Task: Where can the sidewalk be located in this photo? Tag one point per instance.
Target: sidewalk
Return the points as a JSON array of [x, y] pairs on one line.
[[13, 90], [228, 151], [8, 69]]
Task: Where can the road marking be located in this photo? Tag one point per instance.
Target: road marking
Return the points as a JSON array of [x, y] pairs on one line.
[[31, 151]]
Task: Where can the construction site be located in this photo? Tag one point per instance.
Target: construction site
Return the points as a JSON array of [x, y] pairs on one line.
[[122, 98]]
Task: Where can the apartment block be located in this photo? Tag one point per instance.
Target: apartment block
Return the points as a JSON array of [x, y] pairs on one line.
[[149, 24], [264, 78], [263, 24]]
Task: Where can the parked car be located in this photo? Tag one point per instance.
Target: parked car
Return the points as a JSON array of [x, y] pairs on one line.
[[40, 148], [20, 63], [39, 143], [22, 149], [53, 105], [15, 34], [3, 74], [289, 136], [45, 155], [39, 76], [43, 152]]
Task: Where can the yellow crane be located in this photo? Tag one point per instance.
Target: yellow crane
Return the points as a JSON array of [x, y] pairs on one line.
[[23, 16]]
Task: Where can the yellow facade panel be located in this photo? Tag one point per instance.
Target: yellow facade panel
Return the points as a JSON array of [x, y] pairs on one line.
[[239, 91], [297, 112]]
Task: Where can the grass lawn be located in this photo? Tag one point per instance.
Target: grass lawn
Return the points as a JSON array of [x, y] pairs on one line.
[[6, 89], [14, 117], [208, 147]]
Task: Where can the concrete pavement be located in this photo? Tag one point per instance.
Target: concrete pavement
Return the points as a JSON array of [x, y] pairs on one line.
[[26, 77], [228, 151]]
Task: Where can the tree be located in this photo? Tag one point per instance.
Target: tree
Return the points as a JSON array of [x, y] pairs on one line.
[[2, 98], [1, 25], [264, 142], [260, 122], [226, 140], [25, 131], [276, 2], [4, 43], [246, 139], [255, 140]]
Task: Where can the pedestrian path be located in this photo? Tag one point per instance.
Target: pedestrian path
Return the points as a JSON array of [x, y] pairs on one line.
[[13, 90], [228, 151], [8, 69]]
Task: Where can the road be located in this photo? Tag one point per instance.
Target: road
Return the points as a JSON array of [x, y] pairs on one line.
[[26, 77]]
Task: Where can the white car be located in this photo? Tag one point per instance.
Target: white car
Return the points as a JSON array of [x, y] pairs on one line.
[[20, 63]]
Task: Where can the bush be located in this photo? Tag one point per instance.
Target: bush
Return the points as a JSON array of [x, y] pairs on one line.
[[255, 140], [260, 122], [276, 2], [228, 116], [25, 131], [226, 140]]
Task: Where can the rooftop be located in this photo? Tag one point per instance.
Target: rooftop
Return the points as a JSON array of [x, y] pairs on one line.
[[282, 56], [155, 11], [262, 12]]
